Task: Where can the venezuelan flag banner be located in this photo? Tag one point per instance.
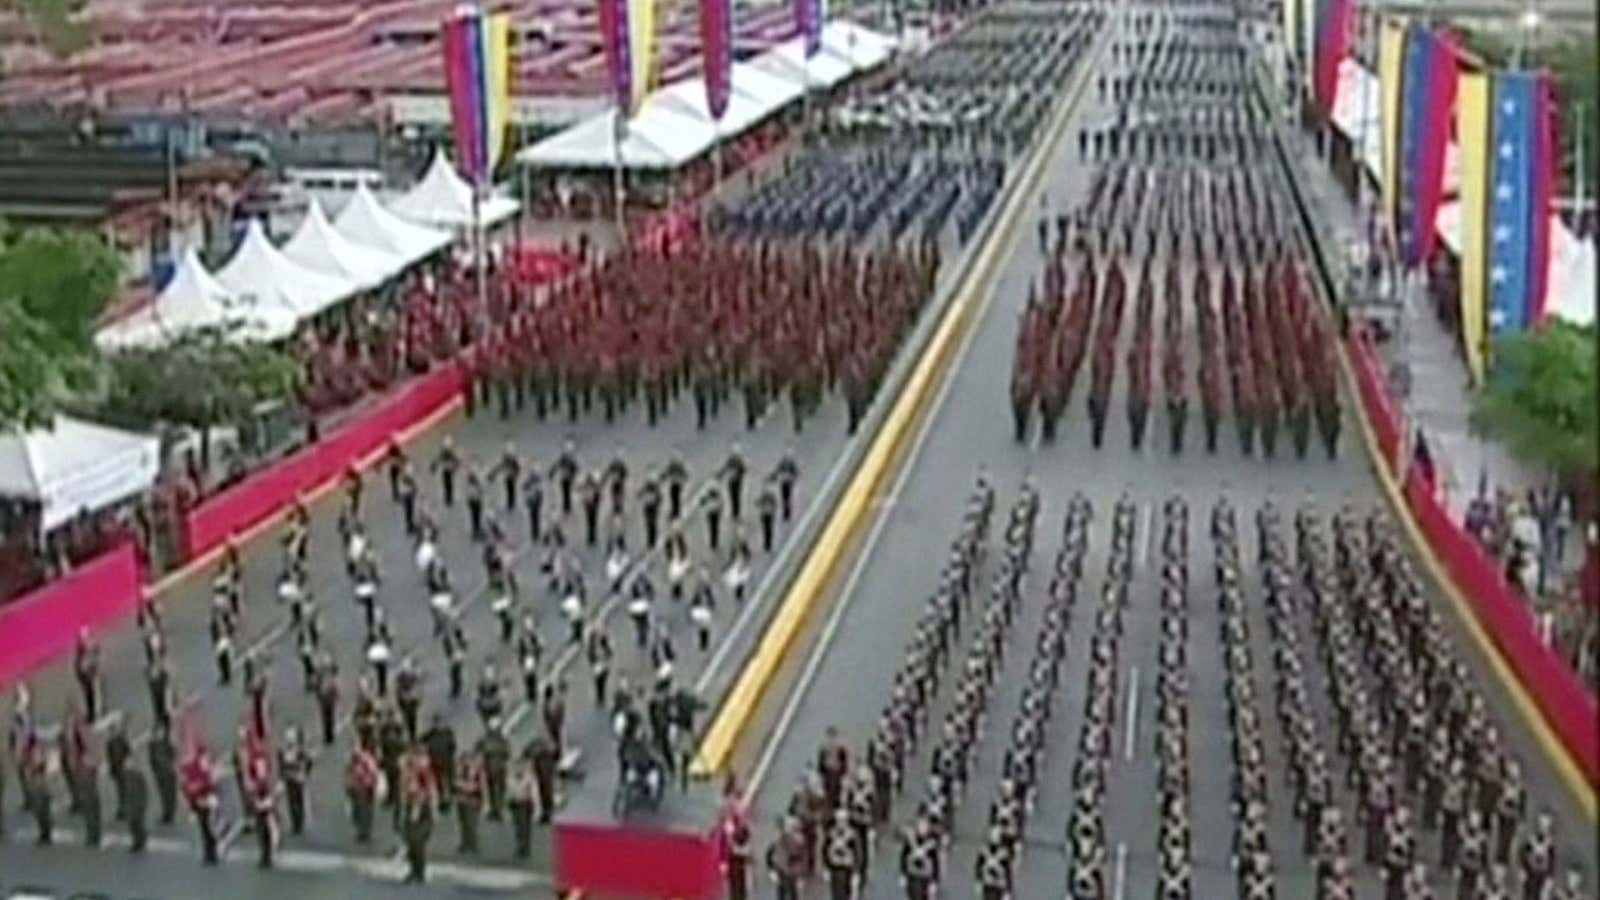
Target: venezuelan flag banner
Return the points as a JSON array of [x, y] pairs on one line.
[[477, 66], [1428, 82], [808, 16], [628, 33], [1507, 119], [1332, 43], [1391, 56], [716, 44]]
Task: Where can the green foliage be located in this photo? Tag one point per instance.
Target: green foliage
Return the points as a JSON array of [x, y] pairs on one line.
[[52, 286], [58, 24], [1542, 400], [204, 378], [62, 278]]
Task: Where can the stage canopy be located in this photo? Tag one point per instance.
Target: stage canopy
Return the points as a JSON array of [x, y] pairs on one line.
[[443, 199], [367, 223], [673, 124], [258, 269], [75, 466], [191, 301], [318, 246]]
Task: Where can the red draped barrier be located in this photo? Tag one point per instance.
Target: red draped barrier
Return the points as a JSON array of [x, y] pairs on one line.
[[1375, 398], [636, 862], [1566, 703], [274, 488], [43, 625]]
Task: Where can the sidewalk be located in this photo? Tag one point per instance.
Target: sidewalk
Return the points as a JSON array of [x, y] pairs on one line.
[[1438, 403]]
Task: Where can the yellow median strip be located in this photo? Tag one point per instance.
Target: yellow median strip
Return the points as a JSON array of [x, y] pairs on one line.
[[737, 711], [405, 436]]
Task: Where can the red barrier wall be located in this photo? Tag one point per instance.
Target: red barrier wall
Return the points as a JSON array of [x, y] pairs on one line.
[[270, 490], [1567, 705], [43, 625], [636, 862], [1375, 398]]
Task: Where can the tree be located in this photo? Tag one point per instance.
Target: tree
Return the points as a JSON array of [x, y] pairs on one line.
[[61, 278], [31, 370], [203, 379], [1541, 399]]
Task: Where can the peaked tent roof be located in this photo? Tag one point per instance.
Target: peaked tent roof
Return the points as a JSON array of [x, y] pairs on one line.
[[443, 197], [75, 465], [673, 125], [367, 223], [192, 300], [317, 246], [259, 269]]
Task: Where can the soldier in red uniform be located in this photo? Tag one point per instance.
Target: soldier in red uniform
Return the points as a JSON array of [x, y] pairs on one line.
[[363, 783], [200, 790]]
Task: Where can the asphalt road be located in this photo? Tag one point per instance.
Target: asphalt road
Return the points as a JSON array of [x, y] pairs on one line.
[[873, 611]]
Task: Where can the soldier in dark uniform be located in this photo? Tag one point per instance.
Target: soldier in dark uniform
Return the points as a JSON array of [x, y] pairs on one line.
[[446, 464], [417, 827], [470, 788], [163, 760], [136, 807], [675, 476], [565, 471], [495, 751], [533, 501], [843, 856], [786, 860], [294, 767], [919, 862]]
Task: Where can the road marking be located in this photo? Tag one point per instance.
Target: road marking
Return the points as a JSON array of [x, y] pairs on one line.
[[847, 594], [1143, 535], [1120, 880], [1133, 714], [720, 737]]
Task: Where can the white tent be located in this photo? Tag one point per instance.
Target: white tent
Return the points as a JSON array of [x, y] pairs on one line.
[[673, 125], [317, 246], [74, 466], [259, 269], [193, 300], [444, 199], [367, 223]]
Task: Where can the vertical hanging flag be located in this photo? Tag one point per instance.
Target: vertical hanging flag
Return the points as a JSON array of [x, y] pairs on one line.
[[1391, 75], [1332, 43], [628, 32], [1472, 129], [808, 16], [1427, 95], [477, 66], [1507, 121], [716, 43]]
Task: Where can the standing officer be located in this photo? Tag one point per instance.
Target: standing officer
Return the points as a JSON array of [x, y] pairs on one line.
[[418, 830], [675, 476], [36, 787], [766, 513], [163, 758], [533, 500], [843, 856], [733, 472], [736, 862], [495, 752], [521, 789], [469, 791], [135, 793], [546, 763], [786, 473], [446, 464], [361, 785], [294, 766]]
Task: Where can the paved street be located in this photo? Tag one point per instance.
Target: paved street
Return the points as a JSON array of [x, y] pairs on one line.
[[899, 566]]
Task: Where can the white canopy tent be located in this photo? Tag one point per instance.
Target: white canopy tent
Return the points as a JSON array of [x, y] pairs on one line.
[[317, 246], [259, 269], [193, 300], [1358, 102], [367, 223], [444, 199], [673, 125], [74, 466]]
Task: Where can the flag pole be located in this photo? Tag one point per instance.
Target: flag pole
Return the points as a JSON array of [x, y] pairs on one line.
[[618, 132]]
